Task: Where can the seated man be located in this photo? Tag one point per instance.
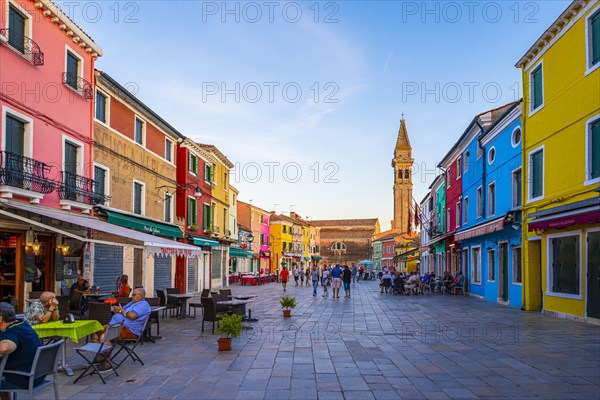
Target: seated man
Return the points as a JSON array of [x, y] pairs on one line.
[[81, 286], [386, 281], [458, 281], [18, 342], [412, 282], [43, 309]]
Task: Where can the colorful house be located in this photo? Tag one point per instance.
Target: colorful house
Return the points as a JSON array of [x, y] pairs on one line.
[[282, 253], [561, 205]]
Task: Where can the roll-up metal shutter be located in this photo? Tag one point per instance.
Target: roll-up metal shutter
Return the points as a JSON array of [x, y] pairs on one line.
[[162, 273], [108, 266], [192, 275]]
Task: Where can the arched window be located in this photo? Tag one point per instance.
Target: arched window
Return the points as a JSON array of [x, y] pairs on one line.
[[338, 246], [406, 174], [399, 174]]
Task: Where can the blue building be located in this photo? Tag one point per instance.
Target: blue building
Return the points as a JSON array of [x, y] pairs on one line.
[[490, 233]]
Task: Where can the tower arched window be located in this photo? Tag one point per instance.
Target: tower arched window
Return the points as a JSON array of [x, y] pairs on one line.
[[399, 174], [406, 174], [338, 246]]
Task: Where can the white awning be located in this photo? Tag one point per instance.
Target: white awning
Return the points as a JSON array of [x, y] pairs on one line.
[[155, 245]]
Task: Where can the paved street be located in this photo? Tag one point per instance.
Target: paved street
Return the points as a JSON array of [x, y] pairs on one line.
[[373, 346]]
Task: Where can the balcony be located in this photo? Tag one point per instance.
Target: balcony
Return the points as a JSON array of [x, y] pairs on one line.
[[24, 45], [24, 176], [79, 189], [78, 84]]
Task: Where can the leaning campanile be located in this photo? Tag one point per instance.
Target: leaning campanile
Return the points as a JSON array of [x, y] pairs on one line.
[[402, 164]]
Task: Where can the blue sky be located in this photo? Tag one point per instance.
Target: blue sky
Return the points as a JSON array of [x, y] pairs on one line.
[[305, 98]]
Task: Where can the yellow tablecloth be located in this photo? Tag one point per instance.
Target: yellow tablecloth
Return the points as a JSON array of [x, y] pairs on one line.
[[75, 331]]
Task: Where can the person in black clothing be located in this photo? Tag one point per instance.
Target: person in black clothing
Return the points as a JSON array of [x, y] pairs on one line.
[[18, 342], [81, 286], [347, 280]]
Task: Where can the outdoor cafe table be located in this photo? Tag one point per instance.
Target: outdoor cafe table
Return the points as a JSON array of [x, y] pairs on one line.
[[251, 279], [75, 331], [96, 296], [183, 298], [238, 307], [246, 297]]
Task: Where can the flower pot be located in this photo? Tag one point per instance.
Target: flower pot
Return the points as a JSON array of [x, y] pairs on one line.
[[287, 313], [224, 344]]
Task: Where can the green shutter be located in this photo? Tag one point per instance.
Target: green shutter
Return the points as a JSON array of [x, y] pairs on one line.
[[189, 210], [595, 39], [537, 174], [538, 95], [595, 148], [189, 161]]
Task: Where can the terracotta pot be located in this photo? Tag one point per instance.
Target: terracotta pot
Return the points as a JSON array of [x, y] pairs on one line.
[[224, 344], [287, 313]]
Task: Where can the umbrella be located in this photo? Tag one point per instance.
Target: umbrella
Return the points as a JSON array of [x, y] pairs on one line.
[[366, 262]]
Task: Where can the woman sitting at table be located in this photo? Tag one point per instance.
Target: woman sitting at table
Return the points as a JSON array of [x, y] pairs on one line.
[[123, 288]]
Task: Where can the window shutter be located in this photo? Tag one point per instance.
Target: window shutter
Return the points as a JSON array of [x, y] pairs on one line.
[[595, 142], [595, 39], [538, 96]]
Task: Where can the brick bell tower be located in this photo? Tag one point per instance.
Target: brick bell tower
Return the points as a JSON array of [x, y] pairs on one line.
[[402, 164]]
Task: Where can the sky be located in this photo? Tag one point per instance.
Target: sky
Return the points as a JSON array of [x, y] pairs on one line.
[[305, 98]]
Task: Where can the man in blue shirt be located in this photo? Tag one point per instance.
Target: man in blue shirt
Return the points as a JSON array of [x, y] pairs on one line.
[[336, 281], [18, 342]]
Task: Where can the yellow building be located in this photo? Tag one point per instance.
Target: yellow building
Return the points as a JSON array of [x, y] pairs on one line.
[[561, 166], [221, 229], [282, 253]]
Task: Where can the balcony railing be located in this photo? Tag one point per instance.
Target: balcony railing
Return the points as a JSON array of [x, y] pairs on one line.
[[24, 45], [79, 84], [80, 189], [26, 173]]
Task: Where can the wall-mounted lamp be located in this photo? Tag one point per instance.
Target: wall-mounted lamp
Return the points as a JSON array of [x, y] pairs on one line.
[[197, 191], [31, 240]]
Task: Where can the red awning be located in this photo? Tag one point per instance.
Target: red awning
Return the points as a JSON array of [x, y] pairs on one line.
[[586, 216], [493, 226]]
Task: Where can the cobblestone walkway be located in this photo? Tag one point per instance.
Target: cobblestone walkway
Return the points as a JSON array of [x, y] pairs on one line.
[[372, 346]]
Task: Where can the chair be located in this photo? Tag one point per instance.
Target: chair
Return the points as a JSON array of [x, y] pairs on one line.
[[96, 354], [172, 302], [226, 292], [153, 318], [386, 283], [162, 297], [460, 287], [100, 312], [194, 304], [66, 291], [205, 293], [75, 303], [63, 305], [129, 346], [210, 312], [44, 363], [123, 300], [398, 287], [221, 296]]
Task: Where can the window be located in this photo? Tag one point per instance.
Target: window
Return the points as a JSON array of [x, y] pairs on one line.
[[492, 199], [593, 150], [338, 246], [515, 139], [466, 161], [406, 174], [479, 200], [208, 173], [168, 150], [15, 137], [100, 189], [72, 70], [262, 239], [491, 155], [138, 198], [491, 262], [458, 168], [101, 101], [448, 220], [139, 131], [207, 222], [192, 163], [17, 24], [516, 265], [476, 264], [536, 174], [225, 180], [192, 217], [593, 39], [168, 207], [448, 179], [466, 210], [457, 214], [563, 264], [536, 85], [516, 188]]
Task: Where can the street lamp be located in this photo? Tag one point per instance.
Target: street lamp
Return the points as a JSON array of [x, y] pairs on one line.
[[197, 191]]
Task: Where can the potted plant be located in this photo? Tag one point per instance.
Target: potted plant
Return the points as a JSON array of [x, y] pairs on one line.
[[287, 303], [229, 327]]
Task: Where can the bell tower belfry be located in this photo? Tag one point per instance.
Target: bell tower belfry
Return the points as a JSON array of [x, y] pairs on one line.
[[402, 164]]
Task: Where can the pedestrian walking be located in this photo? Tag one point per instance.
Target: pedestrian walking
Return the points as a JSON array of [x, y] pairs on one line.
[[325, 280], [296, 275], [314, 274], [307, 273], [354, 273], [284, 277], [347, 279], [301, 275], [336, 281]]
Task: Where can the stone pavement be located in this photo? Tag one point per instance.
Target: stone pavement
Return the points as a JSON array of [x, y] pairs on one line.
[[372, 346]]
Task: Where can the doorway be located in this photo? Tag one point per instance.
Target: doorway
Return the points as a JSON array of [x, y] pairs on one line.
[[138, 268], [593, 274], [503, 271]]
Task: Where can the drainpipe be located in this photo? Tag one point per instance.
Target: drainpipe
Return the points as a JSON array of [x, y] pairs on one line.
[[483, 169]]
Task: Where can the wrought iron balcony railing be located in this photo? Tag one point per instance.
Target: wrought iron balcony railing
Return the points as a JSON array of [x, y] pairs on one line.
[[80, 189], [79, 84], [24, 45], [26, 173]]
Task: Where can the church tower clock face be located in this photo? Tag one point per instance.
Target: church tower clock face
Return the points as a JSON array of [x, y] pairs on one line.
[[402, 164]]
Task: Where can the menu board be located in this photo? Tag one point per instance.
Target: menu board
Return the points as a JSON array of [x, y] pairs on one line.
[[59, 260], [30, 268]]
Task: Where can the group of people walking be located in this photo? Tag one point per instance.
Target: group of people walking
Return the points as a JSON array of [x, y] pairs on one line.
[[335, 276]]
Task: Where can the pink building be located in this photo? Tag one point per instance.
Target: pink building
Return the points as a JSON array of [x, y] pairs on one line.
[[46, 109]]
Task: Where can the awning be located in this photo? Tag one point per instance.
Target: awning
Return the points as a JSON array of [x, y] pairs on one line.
[[480, 230], [237, 252], [200, 241], [316, 257], [142, 224], [439, 238], [583, 216], [156, 246], [306, 258], [403, 256]]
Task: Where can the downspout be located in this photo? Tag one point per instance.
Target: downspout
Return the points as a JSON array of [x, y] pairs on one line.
[[483, 169]]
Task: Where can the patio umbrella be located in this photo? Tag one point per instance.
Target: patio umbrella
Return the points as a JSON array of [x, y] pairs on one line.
[[366, 262]]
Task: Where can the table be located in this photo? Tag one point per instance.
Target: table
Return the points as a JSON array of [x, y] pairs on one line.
[[183, 298], [249, 279], [75, 331], [238, 307], [96, 296], [247, 297], [148, 332]]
